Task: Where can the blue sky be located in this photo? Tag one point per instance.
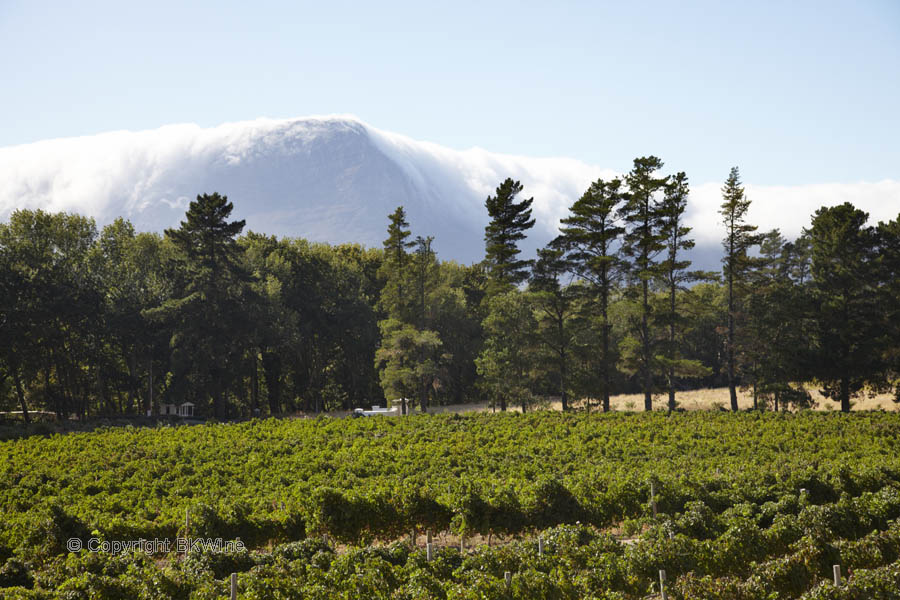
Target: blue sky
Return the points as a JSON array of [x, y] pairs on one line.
[[793, 92]]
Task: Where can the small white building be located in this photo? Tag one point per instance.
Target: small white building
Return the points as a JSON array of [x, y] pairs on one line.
[[185, 409]]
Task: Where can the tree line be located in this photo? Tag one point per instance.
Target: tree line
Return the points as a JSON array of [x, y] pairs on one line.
[[117, 321]]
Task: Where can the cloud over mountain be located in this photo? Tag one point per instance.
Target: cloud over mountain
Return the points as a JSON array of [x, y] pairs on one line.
[[336, 179]]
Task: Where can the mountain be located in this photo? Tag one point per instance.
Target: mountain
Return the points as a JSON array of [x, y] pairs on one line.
[[332, 179], [335, 179]]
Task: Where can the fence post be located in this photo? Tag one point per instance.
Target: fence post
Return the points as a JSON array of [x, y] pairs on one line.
[[427, 536], [540, 546], [462, 543], [234, 586], [837, 575], [662, 584], [428, 551], [653, 496]]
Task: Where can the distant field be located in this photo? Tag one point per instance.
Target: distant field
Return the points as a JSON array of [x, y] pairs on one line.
[[747, 506], [704, 399]]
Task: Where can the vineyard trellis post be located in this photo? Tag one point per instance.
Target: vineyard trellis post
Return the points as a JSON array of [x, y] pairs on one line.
[[837, 575], [234, 586], [662, 584]]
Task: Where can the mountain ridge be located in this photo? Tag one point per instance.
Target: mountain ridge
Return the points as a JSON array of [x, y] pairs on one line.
[[335, 179]]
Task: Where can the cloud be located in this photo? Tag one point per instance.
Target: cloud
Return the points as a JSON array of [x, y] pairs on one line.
[[790, 208], [149, 176]]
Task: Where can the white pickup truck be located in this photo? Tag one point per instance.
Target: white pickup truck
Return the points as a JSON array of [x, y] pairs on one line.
[[376, 410]]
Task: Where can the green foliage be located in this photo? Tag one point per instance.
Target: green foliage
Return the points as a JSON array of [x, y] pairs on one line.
[[509, 222], [732, 523], [506, 359], [590, 234], [846, 305]]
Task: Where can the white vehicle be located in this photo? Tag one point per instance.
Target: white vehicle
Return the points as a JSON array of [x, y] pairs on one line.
[[376, 410]]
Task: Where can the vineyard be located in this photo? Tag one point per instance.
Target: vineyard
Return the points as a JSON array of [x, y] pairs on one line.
[[547, 504]]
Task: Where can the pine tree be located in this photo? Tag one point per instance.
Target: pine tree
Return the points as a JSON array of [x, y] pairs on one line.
[[394, 269], [773, 340], [509, 222], [845, 291], [209, 320], [675, 275], [889, 253], [590, 234], [642, 243], [506, 358], [556, 307], [739, 238]]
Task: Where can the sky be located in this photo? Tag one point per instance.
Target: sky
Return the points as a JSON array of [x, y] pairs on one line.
[[795, 93]]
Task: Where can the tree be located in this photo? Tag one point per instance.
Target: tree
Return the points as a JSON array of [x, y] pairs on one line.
[[642, 242], [406, 360], [590, 234], [506, 358], [208, 319], [845, 292], [739, 238], [889, 253], [675, 276], [556, 306], [394, 268], [773, 341], [509, 222], [424, 278]]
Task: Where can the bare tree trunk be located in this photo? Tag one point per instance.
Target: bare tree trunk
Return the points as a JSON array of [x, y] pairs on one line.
[[645, 347], [671, 370], [606, 377], [732, 390], [20, 393], [254, 383], [845, 394]]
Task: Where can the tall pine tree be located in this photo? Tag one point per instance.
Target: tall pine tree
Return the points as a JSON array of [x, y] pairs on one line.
[[509, 222], [739, 238], [395, 268], [209, 316], [675, 276], [845, 292], [591, 233], [642, 243]]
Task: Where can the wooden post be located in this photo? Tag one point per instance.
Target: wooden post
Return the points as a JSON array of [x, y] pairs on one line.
[[412, 538], [462, 543], [428, 551], [234, 586], [653, 496], [427, 536], [507, 576], [187, 520], [662, 584], [837, 575], [540, 546]]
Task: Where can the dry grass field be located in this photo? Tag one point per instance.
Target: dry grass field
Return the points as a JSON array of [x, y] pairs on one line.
[[703, 399]]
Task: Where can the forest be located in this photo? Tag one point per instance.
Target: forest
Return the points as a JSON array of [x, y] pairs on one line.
[[117, 322]]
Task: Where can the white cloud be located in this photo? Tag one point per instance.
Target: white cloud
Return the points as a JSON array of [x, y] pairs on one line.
[[151, 174], [790, 208]]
